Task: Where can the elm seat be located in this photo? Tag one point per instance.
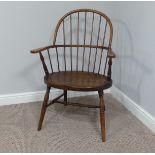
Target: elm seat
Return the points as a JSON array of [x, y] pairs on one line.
[[84, 81]]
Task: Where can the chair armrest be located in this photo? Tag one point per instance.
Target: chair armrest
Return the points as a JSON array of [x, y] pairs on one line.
[[34, 51], [111, 54]]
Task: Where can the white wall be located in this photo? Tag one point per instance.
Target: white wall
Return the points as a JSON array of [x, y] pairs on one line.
[[134, 68], [25, 26]]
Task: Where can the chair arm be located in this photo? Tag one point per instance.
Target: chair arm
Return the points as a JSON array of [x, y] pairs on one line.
[[34, 51], [111, 54]]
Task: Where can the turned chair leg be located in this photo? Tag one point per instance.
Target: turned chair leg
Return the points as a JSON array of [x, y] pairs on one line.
[[43, 110], [65, 97], [102, 116]]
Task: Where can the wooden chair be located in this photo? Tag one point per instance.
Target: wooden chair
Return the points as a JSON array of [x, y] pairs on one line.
[[80, 58]]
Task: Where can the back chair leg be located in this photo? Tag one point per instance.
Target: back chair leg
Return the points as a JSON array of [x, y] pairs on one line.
[[65, 97], [43, 110], [102, 116]]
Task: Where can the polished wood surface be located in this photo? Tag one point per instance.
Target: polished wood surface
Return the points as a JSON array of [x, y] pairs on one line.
[[83, 81], [78, 11], [102, 115], [93, 52], [43, 110]]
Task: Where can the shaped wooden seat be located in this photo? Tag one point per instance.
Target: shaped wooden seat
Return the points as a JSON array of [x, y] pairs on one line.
[[80, 60], [78, 81]]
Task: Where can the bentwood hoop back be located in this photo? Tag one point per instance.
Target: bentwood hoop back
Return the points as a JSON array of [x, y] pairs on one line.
[[80, 58]]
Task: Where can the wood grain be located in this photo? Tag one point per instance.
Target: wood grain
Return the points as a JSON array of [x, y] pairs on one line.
[[77, 80], [83, 81]]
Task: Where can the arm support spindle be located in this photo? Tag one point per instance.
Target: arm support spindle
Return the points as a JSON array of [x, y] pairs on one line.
[[43, 63], [109, 68]]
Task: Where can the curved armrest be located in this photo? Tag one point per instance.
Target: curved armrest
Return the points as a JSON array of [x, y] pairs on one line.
[[34, 51], [111, 54], [55, 46]]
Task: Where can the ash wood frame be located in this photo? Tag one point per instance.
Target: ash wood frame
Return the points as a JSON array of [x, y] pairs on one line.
[[110, 55]]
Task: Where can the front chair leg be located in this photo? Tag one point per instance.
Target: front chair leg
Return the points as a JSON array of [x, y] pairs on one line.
[[102, 116], [43, 110]]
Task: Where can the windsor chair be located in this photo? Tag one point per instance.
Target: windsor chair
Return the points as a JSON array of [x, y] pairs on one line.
[[80, 59]]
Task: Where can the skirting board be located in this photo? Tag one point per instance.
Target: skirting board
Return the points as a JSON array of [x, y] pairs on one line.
[[134, 108], [38, 96]]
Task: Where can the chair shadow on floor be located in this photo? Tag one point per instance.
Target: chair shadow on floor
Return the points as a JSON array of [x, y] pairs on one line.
[[86, 115]]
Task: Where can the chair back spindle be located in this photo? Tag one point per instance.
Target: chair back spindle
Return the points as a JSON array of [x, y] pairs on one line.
[[71, 40], [77, 43], [57, 59], [102, 50], [97, 43], [50, 60], [84, 41], [64, 44], [91, 41], [91, 27]]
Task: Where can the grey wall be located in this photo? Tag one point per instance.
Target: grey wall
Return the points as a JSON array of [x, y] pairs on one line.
[[25, 26], [134, 43]]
